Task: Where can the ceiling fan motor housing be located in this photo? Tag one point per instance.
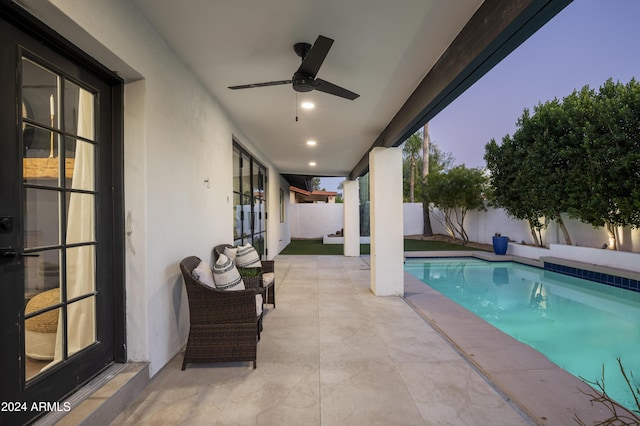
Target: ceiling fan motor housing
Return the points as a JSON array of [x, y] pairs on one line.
[[302, 82]]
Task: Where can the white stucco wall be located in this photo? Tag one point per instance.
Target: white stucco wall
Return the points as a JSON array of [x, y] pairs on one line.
[[317, 220], [482, 225], [278, 233], [412, 220], [177, 136]]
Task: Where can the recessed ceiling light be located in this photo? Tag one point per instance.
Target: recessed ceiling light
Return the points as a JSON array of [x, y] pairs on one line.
[[311, 143], [312, 163], [308, 105]]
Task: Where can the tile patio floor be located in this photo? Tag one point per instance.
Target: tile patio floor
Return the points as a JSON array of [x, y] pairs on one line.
[[332, 353]]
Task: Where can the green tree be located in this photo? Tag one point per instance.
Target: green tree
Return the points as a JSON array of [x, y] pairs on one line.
[[515, 166], [412, 157], [315, 184], [414, 176], [455, 193], [607, 131], [411, 151]]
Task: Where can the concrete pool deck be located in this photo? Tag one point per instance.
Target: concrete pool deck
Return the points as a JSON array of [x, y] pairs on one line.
[[333, 353], [525, 377]]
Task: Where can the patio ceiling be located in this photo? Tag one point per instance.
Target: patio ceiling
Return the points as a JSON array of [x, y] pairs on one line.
[[383, 50]]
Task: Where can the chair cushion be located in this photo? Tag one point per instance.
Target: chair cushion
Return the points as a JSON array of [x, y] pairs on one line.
[[231, 253], [226, 275], [247, 257], [268, 277], [203, 273]]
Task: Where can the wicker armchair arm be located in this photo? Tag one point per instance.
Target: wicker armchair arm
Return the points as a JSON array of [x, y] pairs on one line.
[[268, 266], [252, 282]]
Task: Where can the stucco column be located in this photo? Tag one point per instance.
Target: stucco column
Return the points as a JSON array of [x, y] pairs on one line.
[[351, 217], [387, 241]]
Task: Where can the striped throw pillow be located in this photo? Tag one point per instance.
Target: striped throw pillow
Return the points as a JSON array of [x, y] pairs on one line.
[[247, 257], [226, 275]]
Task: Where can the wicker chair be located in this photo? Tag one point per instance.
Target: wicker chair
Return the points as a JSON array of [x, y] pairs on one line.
[[224, 326], [268, 266]]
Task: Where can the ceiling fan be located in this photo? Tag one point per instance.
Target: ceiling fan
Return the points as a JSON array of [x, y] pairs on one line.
[[304, 79]]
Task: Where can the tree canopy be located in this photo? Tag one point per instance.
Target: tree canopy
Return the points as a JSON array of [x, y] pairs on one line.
[[456, 192], [579, 156], [412, 159]]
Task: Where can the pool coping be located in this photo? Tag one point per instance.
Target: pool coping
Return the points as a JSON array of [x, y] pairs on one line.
[[526, 378]]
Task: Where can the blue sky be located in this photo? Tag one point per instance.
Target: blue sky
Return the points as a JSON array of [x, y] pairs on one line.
[[585, 44]]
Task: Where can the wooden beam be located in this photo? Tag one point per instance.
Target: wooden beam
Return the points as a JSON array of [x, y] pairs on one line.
[[494, 31]]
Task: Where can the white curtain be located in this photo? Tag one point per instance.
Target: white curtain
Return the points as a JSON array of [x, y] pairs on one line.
[[81, 228]]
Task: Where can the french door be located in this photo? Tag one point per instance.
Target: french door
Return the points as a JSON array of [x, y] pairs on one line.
[[249, 200], [60, 297]]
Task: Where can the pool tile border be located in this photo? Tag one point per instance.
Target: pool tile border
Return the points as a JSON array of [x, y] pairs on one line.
[[613, 277]]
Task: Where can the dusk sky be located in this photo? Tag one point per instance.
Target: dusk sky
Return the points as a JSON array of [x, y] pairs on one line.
[[585, 44]]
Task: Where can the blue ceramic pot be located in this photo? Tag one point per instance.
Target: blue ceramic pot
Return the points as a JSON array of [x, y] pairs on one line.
[[500, 245]]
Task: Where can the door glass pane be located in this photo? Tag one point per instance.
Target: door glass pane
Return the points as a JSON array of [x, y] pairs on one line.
[[42, 217], [258, 243], [246, 175], [246, 212], [42, 272], [39, 143], [258, 215], [41, 329], [80, 164], [40, 94], [41, 335], [80, 219], [81, 276], [41, 163], [81, 330], [79, 111], [237, 216], [258, 182], [236, 171]]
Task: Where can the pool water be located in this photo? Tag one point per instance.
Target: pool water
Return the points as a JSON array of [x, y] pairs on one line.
[[578, 324]]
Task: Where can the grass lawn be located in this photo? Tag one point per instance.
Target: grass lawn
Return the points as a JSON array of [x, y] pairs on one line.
[[315, 247]]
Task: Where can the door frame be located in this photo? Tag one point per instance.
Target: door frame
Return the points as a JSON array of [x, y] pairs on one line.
[[32, 28]]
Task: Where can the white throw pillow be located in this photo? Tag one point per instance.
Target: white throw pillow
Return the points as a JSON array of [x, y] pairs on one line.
[[247, 257], [203, 273], [231, 252], [226, 275]]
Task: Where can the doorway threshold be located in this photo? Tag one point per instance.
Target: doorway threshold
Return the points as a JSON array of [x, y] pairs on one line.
[[103, 398]]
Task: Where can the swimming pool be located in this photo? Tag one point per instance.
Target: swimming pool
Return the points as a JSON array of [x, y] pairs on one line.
[[578, 324]]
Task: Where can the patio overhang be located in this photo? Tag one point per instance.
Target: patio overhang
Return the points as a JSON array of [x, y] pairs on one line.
[[495, 30]]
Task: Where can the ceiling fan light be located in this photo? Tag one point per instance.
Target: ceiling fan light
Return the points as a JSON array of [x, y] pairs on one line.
[[312, 163], [308, 105], [311, 143]]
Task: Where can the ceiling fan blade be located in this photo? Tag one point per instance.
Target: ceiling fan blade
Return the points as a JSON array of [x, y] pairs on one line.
[[332, 89], [315, 57], [253, 85]]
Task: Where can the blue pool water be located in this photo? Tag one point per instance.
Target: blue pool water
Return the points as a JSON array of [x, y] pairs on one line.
[[578, 324]]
